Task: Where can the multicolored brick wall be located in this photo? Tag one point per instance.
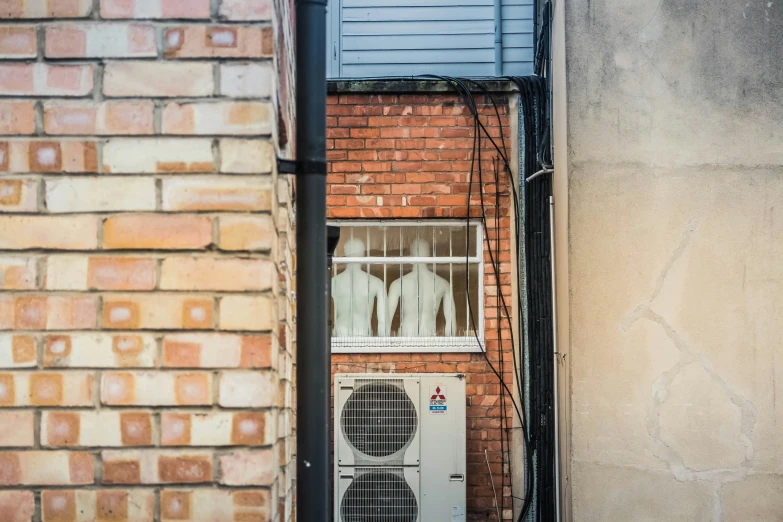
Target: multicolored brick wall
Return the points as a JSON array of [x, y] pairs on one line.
[[409, 156], [145, 261]]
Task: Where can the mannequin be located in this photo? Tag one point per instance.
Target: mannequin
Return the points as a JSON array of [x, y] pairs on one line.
[[355, 292], [422, 292]]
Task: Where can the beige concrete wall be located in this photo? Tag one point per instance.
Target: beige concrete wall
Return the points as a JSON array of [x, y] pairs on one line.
[[675, 256]]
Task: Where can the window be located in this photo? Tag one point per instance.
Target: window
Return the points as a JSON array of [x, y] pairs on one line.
[[371, 38], [402, 286]]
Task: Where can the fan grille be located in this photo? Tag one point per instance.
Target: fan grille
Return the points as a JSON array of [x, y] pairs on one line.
[[379, 496], [379, 419]]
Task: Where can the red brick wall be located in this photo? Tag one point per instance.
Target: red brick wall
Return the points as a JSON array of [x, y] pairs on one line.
[[409, 156]]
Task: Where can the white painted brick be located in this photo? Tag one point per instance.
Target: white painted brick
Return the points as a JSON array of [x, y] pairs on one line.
[[100, 40], [96, 428], [36, 389], [158, 79], [66, 273], [105, 194], [218, 429], [156, 389], [248, 389], [246, 156], [211, 505], [254, 80], [216, 118], [100, 350], [243, 312], [158, 155], [249, 467]]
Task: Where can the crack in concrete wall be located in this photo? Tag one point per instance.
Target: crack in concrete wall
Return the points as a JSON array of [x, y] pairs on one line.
[[660, 392]]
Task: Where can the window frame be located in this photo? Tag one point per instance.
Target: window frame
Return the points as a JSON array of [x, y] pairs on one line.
[[395, 344]]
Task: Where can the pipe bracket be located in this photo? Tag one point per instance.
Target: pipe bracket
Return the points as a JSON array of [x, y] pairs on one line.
[[302, 168]]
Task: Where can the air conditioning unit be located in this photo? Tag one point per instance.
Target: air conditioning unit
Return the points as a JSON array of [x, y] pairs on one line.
[[399, 451]]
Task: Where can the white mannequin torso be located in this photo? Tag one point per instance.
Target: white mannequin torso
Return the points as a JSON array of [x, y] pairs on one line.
[[422, 292], [355, 294]]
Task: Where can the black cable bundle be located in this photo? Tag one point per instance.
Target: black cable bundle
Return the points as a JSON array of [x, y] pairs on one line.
[[534, 94], [538, 436], [460, 85]]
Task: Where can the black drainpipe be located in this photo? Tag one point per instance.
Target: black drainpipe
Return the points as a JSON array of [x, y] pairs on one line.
[[312, 338]]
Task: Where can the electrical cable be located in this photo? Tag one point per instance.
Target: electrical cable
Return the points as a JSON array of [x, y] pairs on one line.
[[466, 95]]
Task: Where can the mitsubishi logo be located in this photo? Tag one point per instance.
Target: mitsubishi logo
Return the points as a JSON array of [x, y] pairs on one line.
[[438, 395]]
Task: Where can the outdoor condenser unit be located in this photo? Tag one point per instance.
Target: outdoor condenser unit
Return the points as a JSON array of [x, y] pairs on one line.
[[399, 448]]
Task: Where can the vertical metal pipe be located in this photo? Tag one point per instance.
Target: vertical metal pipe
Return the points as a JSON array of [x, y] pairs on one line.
[[498, 37], [313, 357]]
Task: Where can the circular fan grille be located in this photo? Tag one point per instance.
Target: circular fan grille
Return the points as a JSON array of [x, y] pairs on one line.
[[379, 496], [379, 419]]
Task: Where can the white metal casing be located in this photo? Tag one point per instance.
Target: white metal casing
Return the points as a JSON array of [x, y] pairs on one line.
[[432, 460]]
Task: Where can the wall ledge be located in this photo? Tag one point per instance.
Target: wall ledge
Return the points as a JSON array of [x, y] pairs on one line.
[[411, 85]]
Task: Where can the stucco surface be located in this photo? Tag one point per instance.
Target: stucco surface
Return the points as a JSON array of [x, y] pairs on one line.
[[675, 117]]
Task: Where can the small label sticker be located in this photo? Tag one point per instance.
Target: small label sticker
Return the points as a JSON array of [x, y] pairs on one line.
[[438, 404], [458, 514]]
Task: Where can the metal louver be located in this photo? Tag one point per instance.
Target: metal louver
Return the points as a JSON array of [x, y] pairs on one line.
[[379, 495], [379, 419]]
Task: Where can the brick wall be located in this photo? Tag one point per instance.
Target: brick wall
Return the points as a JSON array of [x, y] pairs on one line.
[[409, 156], [145, 351]]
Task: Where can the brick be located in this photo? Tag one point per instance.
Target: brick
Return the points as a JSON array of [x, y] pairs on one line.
[[100, 273], [17, 506], [250, 233], [18, 41], [18, 195], [99, 350], [155, 232], [97, 506], [48, 9], [246, 10], [100, 40], [228, 41], [16, 430], [246, 156], [47, 313], [219, 429], [210, 273], [17, 351], [156, 389], [216, 118], [40, 79], [103, 118], [156, 79], [119, 273], [106, 194], [157, 155], [244, 389], [96, 428], [253, 313], [156, 466], [46, 389], [211, 193], [157, 311], [208, 505], [50, 156], [251, 80], [209, 350], [17, 117], [153, 9], [249, 468]]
